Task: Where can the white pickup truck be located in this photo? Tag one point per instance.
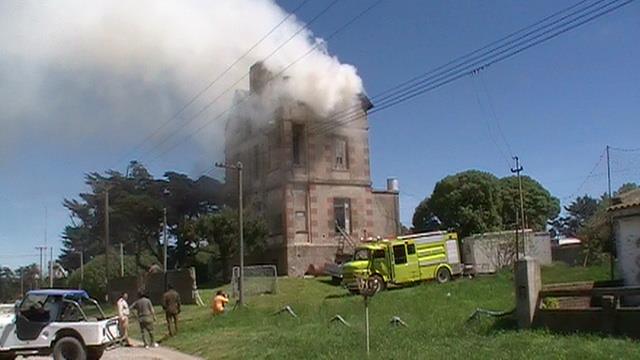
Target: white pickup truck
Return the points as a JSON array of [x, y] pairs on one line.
[[66, 324]]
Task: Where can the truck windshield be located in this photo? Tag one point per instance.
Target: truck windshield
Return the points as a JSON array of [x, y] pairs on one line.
[[361, 254]]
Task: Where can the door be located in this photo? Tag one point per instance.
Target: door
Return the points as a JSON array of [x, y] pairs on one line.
[[34, 314], [405, 267], [381, 263]]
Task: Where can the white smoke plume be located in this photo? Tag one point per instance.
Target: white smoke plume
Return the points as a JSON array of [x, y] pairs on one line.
[[73, 70]]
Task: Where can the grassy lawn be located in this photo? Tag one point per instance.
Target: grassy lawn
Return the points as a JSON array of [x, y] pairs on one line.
[[436, 315]]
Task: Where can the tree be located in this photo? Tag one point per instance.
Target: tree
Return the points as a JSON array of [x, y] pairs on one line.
[[626, 187], [136, 203], [475, 202], [539, 205], [578, 212], [468, 201], [218, 234]]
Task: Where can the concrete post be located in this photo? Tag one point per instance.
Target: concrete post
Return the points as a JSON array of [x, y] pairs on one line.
[[528, 284]]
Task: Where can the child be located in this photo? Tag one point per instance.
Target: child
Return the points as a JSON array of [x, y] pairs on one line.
[[219, 301]]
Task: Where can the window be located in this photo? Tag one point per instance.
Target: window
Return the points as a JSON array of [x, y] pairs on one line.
[[361, 254], [301, 222], [340, 154], [399, 254], [342, 214], [411, 249], [378, 254], [297, 133]]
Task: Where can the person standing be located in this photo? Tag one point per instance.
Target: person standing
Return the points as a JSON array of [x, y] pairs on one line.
[[171, 305], [146, 318], [123, 317], [219, 301]]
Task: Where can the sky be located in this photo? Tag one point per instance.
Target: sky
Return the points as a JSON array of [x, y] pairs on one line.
[[556, 105]]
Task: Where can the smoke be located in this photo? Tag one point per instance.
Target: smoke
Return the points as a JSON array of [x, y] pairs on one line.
[[108, 73]]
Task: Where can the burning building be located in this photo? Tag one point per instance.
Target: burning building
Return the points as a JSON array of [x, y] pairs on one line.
[[308, 176]]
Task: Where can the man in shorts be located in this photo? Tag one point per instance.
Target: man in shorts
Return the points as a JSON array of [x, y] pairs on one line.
[[123, 317]]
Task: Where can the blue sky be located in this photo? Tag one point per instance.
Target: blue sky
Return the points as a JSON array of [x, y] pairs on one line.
[[558, 104]]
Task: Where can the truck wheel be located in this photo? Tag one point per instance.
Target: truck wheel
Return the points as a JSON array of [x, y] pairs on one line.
[[443, 275], [69, 348], [95, 353], [378, 280], [7, 356]]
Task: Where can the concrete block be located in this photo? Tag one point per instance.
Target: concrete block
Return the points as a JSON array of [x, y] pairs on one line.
[[528, 283]]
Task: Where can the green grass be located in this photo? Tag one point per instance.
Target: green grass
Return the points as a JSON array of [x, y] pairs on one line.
[[436, 315]]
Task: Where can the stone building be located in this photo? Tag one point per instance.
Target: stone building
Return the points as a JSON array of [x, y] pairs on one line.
[[309, 178]]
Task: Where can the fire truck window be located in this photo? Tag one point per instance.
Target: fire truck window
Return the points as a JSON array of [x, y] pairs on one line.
[[362, 254], [411, 249], [378, 254], [399, 254]]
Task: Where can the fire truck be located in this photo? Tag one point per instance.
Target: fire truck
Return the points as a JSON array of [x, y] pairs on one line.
[[404, 260]]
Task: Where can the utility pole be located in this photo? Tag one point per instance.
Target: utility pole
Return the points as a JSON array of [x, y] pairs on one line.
[[81, 268], [238, 167], [51, 267], [45, 240], [106, 239], [40, 272], [611, 240], [164, 238], [517, 170], [121, 260]]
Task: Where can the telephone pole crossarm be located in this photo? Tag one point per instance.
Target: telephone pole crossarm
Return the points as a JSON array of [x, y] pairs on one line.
[[517, 170]]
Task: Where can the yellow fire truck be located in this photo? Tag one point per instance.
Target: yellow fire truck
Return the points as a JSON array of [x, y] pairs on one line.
[[406, 259]]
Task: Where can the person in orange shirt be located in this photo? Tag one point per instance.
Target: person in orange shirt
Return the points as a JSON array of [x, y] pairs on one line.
[[219, 301]]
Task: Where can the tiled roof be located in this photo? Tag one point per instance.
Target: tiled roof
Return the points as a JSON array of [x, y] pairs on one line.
[[627, 200]]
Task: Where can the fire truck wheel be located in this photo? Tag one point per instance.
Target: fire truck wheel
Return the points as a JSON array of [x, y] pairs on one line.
[[69, 347], [443, 275], [380, 281]]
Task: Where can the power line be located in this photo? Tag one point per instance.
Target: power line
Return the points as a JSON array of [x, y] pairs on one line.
[[479, 63], [624, 149], [354, 113], [213, 82], [233, 106], [589, 175], [469, 57], [224, 92], [443, 75], [493, 140], [493, 112]]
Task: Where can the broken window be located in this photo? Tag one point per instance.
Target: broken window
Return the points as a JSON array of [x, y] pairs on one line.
[[340, 154], [297, 131], [342, 215]]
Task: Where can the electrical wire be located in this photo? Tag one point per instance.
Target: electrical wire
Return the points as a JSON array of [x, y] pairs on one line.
[[224, 92], [211, 83], [242, 100], [443, 79], [484, 118]]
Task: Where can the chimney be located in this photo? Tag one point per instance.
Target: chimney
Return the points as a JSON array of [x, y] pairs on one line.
[[258, 77]]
